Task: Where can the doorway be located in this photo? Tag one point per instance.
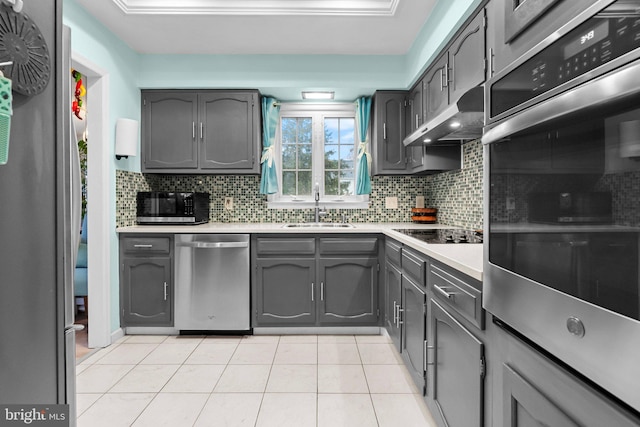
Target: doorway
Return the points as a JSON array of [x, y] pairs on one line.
[[99, 195]]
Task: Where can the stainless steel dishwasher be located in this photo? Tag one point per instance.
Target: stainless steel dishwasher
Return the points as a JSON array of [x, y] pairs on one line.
[[212, 282]]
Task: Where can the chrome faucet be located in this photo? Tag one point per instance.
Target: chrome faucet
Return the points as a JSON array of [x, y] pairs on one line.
[[318, 213]]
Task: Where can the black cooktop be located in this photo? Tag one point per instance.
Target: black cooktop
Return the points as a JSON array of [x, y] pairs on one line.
[[443, 235]]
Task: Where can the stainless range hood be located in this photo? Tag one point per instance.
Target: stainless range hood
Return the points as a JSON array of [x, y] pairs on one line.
[[462, 120]]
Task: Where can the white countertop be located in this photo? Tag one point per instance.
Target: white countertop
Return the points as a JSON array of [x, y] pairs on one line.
[[467, 258]]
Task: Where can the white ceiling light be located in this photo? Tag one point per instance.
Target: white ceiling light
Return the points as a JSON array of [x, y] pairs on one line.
[[259, 7], [317, 95]]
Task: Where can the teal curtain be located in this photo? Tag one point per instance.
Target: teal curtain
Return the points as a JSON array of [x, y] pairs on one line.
[[270, 116], [363, 179]]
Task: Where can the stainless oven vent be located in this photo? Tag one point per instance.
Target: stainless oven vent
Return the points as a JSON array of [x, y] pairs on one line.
[[462, 120]]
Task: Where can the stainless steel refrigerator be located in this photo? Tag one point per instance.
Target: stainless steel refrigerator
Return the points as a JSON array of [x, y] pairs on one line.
[[39, 229]]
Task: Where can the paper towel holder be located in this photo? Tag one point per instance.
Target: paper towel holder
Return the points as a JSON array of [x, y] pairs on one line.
[[126, 138]]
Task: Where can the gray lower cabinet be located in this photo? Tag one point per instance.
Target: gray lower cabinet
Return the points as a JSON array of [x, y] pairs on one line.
[[285, 291], [348, 291], [531, 390], [456, 377], [406, 307], [393, 290], [315, 281], [146, 281], [414, 322], [455, 348], [207, 131], [393, 296]]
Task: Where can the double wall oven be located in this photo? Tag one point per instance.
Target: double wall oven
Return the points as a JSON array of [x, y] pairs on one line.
[[562, 196]]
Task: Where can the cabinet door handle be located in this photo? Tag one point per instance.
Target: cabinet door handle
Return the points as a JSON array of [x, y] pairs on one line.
[[313, 288], [141, 246], [201, 130], [417, 122], [491, 72], [428, 347], [321, 291], [442, 291], [395, 313], [165, 291], [384, 131], [446, 76], [400, 311], [193, 131], [424, 358]]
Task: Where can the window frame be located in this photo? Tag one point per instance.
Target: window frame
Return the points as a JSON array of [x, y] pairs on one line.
[[318, 112]]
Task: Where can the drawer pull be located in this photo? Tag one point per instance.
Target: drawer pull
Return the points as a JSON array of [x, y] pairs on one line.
[[442, 291], [143, 246]]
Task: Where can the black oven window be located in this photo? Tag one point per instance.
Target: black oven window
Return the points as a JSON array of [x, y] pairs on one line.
[[564, 207]]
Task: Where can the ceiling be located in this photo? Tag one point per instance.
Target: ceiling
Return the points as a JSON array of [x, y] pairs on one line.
[[330, 27]]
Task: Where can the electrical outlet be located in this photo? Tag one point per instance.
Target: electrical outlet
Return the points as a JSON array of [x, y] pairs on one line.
[[391, 202], [228, 203]]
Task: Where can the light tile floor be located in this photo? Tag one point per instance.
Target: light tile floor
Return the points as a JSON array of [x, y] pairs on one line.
[[262, 381]]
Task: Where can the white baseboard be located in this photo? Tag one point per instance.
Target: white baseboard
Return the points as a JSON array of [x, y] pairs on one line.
[[116, 335]]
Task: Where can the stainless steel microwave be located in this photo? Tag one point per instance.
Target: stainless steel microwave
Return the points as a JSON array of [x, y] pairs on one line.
[[564, 271], [160, 207]]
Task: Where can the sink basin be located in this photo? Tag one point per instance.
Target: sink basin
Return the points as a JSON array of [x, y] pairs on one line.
[[318, 225]]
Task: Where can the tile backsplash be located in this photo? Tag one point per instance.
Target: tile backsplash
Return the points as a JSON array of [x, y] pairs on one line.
[[456, 194]]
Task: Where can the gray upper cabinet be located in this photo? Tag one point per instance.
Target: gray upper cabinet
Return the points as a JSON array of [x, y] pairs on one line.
[[457, 70], [467, 58], [416, 106], [168, 130], [388, 127], [229, 130], [436, 92], [205, 132]]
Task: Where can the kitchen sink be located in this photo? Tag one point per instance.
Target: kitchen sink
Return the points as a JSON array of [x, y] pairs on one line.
[[318, 225]]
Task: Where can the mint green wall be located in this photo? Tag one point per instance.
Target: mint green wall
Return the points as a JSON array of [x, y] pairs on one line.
[[282, 76], [445, 19], [91, 40]]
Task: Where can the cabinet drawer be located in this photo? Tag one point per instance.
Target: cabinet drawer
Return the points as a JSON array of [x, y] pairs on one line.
[[414, 265], [393, 252], [348, 246], [458, 293], [277, 246], [147, 245]]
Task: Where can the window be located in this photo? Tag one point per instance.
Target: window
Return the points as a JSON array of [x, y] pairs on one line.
[[316, 154]]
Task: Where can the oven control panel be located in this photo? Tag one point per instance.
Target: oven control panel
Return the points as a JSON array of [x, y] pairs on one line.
[[609, 34]]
